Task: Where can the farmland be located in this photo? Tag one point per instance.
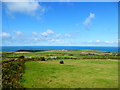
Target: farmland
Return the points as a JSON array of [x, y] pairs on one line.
[[73, 74], [63, 54], [81, 69]]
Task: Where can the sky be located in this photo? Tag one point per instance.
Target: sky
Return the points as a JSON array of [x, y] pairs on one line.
[[59, 24]]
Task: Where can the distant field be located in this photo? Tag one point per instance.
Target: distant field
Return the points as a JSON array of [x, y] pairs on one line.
[[60, 54], [72, 74]]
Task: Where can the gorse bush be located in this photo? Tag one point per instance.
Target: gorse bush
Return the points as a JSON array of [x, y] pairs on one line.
[[12, 74], [12, 71]]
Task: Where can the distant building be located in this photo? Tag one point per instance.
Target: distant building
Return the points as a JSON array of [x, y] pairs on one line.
[[53, 57], [27, 57]]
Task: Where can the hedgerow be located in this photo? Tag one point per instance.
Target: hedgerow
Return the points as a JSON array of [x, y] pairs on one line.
[[12, 73]]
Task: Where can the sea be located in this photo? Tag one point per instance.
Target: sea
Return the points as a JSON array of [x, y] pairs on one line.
[[100, 48]]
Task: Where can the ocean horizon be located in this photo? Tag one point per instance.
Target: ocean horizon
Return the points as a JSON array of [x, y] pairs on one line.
[[100, 48]]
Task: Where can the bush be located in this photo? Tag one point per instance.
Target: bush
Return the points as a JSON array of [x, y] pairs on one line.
[[42, 58], [21, 57], [71, 55], [12, 74]]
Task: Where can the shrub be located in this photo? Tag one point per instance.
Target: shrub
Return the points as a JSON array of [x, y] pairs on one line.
[[12, 73], [21, 57], [42, 58], [71, 55]]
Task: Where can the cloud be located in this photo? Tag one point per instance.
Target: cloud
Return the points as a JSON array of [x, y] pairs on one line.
[[44, 34], [88, 19], [34, 33], [57, 41], [89, 41], [58, 35], [6, 38], [5, 34], [26, 7], [48, 36], [99, 41], [47, 32], [36, 38], [108, 41], [18, 32], [67, 35]]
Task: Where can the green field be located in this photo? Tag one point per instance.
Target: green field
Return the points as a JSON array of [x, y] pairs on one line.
[[60, 54], [81, 69], [71, 74]]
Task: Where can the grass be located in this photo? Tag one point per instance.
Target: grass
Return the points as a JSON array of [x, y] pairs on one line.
[[72, 74], [79, 54], [91, 69]]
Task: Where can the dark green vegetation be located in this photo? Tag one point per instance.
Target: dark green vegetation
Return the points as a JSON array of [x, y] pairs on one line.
[[81, 69], [12, 74]]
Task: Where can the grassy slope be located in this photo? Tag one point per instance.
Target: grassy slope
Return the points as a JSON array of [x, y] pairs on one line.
[[72, 74]]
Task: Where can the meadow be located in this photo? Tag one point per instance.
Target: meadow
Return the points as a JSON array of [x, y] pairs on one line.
[[81, 69], [71, 74]]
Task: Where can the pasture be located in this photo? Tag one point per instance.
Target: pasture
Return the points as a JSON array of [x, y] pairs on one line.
[[72, 74]]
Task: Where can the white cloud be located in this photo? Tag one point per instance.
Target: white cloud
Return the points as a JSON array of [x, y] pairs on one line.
[[26, 7], [108, 41], [34, 33], [67, 35], [56, 41], [36, 38], [92, 15], [5, 34], [47, 32], [57, 35], [18, 32], [97, 41], [88, 19], [89, 41], [44, 34]]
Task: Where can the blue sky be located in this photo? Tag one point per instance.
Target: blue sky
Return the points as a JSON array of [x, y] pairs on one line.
[[60, 24]]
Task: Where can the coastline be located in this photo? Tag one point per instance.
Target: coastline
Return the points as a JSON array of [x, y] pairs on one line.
[[45, 48]]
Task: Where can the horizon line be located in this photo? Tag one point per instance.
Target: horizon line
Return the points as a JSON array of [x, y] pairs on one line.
[[77, 45]]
